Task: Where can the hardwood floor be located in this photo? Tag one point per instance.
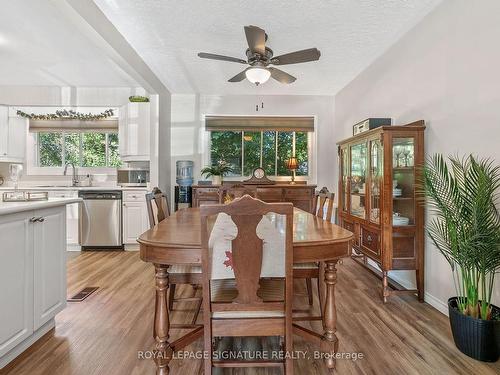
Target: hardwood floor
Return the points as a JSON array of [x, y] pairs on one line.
[[106, 333]]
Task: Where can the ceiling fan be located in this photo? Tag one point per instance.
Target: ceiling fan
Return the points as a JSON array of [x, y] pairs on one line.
[[259, 57]]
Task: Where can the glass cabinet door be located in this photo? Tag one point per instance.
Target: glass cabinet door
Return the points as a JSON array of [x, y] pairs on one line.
[[358, 179], [376, 173], [344, 162], [403, 181]]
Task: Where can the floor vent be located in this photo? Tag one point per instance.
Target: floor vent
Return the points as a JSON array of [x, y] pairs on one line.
[[84, 293]]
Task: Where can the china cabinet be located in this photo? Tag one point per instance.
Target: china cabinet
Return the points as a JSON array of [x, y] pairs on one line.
[[378, 199]]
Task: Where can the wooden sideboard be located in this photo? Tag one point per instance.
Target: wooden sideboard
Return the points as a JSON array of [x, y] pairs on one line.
[[302, 196]]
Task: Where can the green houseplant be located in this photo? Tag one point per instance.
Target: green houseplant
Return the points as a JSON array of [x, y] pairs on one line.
[[464, 195], [217, 172]]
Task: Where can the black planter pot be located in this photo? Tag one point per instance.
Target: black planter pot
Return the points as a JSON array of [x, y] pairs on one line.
[[477, 338]]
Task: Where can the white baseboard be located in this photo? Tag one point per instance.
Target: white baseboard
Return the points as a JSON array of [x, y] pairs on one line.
[[73, 247], [131, 247], [439, 305], [17, 350], [403, 282]]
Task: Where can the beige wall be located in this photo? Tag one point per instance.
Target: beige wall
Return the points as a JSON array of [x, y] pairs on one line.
[[447, 72]]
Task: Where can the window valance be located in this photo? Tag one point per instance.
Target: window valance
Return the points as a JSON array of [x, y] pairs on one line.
[[259, 123], [74, 126]]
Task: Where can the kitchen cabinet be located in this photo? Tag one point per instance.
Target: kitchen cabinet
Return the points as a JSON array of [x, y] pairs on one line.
[[134, 132], [135, 216], [49, 264], [71, 217], [16, 280], [32, 272], [13, 132], [378, 199], [32, 275]]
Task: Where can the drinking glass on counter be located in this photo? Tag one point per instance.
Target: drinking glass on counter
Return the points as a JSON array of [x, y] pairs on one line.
[[15, 172]]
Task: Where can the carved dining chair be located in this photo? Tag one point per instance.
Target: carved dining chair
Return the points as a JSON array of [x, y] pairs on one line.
[[158, 210], [322, 208], [229, 193], [247, 260]]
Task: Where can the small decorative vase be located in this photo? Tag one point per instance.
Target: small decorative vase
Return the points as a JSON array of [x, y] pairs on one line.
[[216, 180]]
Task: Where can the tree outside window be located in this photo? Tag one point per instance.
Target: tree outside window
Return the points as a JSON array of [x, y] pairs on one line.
[[245, 151], [95, 150]]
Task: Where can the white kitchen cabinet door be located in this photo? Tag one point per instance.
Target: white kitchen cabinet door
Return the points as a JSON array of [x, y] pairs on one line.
[[16, 280], [12, 137], [72, 224], [18, 128], [49, 264], [134, 132], [135, 221], [4, 131], [122, 131], [71, 215]]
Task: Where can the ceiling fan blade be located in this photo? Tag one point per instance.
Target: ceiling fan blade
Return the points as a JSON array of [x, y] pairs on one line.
[[239, 77], [281, 76], [256, 38], [212, 56], [311, 54]]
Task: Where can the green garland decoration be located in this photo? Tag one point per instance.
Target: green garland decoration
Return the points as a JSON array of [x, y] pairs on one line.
[[67, 115]]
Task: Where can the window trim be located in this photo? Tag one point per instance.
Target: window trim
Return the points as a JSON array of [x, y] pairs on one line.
[[312, 143]]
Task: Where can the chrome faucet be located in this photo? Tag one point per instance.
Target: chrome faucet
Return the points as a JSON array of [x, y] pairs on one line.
[[74, 180]]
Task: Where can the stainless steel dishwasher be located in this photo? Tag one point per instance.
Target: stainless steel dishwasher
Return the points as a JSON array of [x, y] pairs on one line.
[[100, 221]]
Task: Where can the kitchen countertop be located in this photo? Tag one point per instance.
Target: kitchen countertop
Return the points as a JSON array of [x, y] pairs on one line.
[[13, 207], [53, 188]]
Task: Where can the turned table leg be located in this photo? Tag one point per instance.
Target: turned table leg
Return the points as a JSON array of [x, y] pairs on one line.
[[330, 340], [385, 286], [163, 351]]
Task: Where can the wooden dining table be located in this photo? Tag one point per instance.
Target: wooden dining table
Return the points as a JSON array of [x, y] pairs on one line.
[[177, 241]]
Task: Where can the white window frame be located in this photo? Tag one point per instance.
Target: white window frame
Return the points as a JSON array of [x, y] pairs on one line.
[[32, 159], [311, 151]]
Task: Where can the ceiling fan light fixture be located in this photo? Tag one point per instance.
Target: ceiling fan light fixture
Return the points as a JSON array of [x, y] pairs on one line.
[[258, 75]]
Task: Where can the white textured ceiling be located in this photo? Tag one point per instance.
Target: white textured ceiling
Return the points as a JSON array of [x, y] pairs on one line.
[[39, 46], [349, 33]]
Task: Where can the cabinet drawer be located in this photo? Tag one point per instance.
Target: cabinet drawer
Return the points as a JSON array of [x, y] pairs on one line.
[[207, 192], [370, 241], [354, 228], [298, 193], [348, 225], [63, 194], [203, 202], [134, 196], [269, 194]]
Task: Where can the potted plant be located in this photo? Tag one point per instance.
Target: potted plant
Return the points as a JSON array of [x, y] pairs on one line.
[[464, 196], [217, 172]]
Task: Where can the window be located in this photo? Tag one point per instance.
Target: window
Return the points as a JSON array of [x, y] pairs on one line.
[[92, 150], [247, 150]]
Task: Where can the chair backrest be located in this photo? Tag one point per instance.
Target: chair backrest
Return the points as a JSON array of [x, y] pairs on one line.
[[321, 199], [229, 193], [249, 226], [157, 205]]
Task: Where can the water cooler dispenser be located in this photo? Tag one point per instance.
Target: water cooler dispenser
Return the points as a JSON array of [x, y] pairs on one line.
[[184, 181]]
